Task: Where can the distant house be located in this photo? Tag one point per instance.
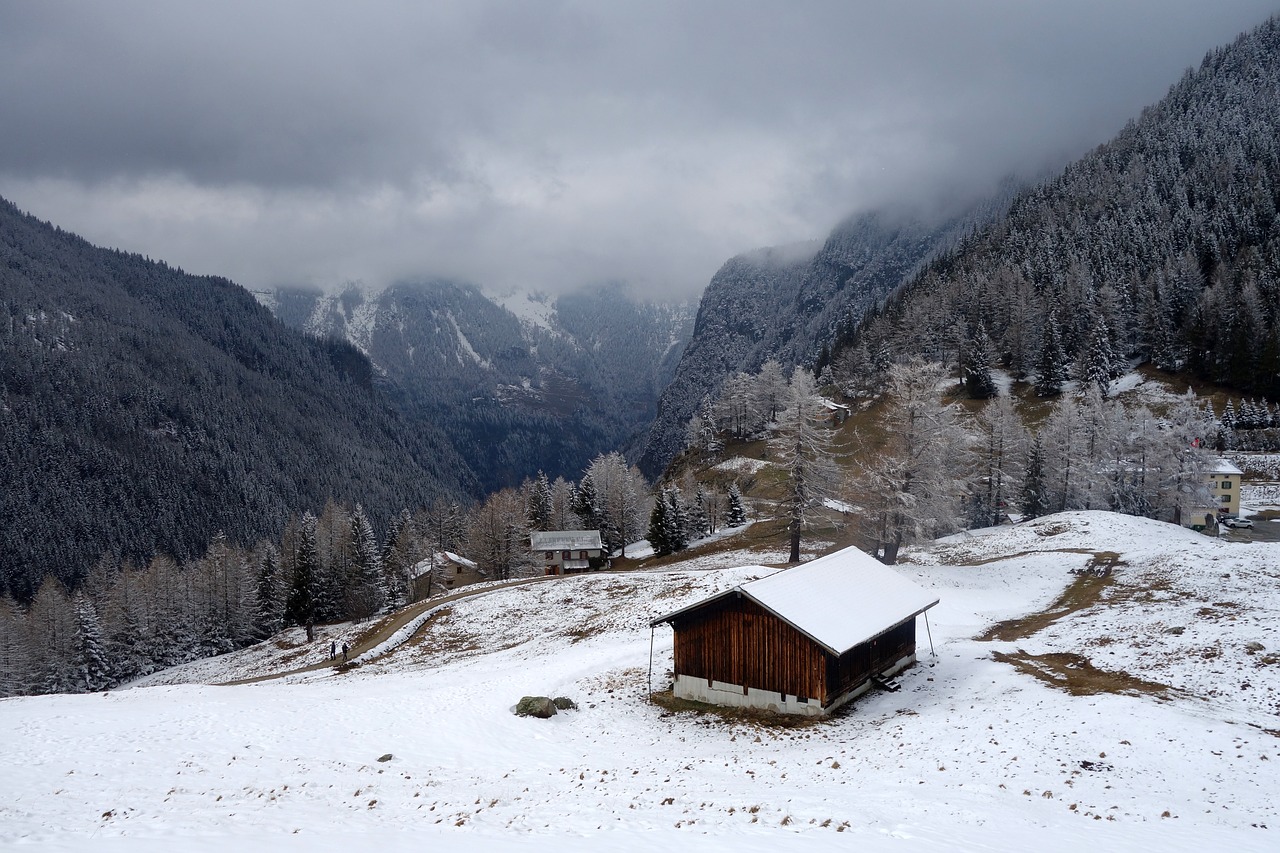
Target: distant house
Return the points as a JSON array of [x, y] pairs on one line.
[[564, 552], [833, 414], [443, 571], [1224, 484], [801, 641]]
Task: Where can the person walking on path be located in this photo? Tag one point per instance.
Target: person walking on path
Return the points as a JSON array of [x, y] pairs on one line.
[[344, 652], [333, 649]]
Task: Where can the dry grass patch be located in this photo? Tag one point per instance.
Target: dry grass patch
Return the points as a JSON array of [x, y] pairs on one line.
[[1077, 676], [1084, 592]]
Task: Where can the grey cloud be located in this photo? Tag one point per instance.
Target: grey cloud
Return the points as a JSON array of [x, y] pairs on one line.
[[550, 144]]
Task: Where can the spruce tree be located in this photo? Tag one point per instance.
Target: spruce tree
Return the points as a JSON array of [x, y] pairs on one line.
[[979, 383], [1051, 367], [300, 609], [90, 664], [1034, 494], [736, 514], [268, 612], [658, 529]]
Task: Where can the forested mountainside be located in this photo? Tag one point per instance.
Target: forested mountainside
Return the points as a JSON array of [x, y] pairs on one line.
[[144, 410], [786, 303], [519, 385], [1160, 245]]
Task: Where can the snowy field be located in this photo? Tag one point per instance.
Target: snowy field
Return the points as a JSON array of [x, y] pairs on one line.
[[1181, 753]]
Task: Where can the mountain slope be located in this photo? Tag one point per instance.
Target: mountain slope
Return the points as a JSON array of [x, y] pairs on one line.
[[144, 410], [787, 303], [1162, 245], [522, 384]]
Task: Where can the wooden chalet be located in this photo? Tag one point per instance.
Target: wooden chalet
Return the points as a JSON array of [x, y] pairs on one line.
[[441, 572], [803, 640]]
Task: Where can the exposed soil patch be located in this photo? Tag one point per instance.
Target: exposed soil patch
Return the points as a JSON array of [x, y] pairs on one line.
[[1076, 675]]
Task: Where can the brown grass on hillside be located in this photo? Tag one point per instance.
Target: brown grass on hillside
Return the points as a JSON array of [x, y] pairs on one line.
[[1083, 592], [1076, 675]]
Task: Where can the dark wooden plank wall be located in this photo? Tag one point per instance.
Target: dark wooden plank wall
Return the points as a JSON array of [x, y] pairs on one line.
[[862, 661], [735, 640]]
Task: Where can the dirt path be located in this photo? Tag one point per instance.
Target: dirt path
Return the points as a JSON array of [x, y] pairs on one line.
[[384, 629]]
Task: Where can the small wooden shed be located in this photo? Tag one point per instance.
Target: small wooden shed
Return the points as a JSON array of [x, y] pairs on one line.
[[803, 640]]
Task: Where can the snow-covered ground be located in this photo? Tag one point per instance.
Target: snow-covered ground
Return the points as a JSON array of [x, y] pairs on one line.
[[971, 754]]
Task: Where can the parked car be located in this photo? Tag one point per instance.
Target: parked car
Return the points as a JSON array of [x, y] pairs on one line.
[[1237, 522]]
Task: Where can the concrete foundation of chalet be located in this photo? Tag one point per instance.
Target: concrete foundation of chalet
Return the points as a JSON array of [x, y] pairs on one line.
[[736, 696]]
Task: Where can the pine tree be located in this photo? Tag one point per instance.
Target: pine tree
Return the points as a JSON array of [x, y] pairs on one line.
[[300, 608], [268, 609], [979, 383], [735, 514], [698, 523], [1098, 362], [586, 504], [89, 662], [677, 518], [659, 526], [366, 590], [399, 555], [1051, 367], [1034, 495], [539, 509]]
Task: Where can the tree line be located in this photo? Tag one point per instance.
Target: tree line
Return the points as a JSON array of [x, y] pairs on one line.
[[1161, 246], [924, 466], [122, 620]]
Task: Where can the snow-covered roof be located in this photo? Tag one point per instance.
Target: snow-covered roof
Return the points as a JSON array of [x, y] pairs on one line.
[[565, 540], [1222, 466], [838, 601], [461, 561], [424, 566]]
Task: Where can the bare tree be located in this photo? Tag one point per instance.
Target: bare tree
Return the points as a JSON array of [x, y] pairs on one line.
[[803, 450], [914, 483]]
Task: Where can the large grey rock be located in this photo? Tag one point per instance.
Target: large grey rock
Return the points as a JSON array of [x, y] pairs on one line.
[[535, 706], [564, 703]]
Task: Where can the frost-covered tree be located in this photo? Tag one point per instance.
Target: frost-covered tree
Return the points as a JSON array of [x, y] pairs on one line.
[[980, 357], [1033, 494], [803, 451], [91, 667], [1051, 366], [999, 454], [913, 484], [304, 566], [538, 512], [269, 592], [622, 495], [366, 585], [735, 514]]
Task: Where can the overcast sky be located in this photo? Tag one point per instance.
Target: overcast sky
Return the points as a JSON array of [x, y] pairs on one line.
[[544, 144]]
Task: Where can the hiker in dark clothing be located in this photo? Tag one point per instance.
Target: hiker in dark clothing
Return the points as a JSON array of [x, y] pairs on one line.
[[344, 652], [333, 649]]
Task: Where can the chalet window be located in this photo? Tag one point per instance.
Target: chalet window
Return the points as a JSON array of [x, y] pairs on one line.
[[1226, 499], [548, 555], [568, 555], [459, 569], [1226, 484], [582, 555]]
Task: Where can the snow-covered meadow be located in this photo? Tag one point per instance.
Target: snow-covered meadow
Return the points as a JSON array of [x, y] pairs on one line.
[[972, 753]]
